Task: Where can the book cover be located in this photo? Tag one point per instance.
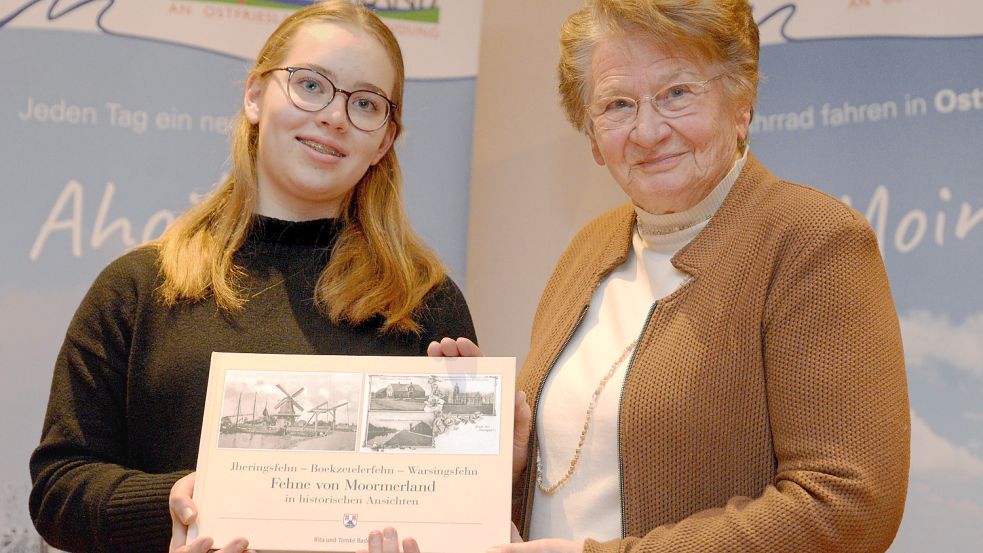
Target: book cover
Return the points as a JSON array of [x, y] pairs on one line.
[[311, 452]]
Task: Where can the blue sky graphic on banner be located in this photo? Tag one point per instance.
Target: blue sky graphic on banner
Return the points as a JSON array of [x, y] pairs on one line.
[[881, 102], [113, 117]]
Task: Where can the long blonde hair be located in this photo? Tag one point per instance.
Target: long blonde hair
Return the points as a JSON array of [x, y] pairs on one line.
[[378, 265]]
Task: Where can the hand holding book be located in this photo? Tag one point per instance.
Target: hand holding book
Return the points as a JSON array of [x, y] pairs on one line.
[[183, 513]]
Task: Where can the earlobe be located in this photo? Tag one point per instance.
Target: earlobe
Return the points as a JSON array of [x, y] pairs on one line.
[[251, 99], [387, 142], [596, 151], [743, 123]]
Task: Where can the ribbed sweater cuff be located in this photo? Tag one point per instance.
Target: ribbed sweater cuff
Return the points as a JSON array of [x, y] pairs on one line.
[[613, 546], [137, 516]]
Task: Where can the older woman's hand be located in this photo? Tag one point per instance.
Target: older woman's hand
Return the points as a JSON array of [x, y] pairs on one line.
[[183, 513], [520, 435], [540, 546], [449, 347], [537, 546], [387, 541]]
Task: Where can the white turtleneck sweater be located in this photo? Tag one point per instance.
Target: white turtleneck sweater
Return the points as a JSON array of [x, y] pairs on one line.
[[589, 505]]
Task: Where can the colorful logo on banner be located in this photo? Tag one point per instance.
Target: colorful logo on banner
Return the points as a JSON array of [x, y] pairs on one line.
[[429, 33], [409, 10]]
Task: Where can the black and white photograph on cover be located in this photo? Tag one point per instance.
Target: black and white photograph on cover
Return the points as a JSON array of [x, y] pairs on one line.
[[304, 411], [397, 393], [459, 412], [397, 430]]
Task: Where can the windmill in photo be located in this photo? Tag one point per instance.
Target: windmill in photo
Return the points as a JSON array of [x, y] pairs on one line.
[[287, 410]]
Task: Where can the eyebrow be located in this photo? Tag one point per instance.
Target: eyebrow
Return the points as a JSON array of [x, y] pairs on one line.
[[361, 85], [681, 75]]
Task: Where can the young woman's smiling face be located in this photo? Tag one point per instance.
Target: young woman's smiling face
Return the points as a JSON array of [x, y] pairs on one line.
[[308, 162]]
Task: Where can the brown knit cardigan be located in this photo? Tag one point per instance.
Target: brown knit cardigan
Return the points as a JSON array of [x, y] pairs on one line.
[[766, 407]]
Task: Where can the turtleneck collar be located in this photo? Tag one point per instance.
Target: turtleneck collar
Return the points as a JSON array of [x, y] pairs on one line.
[[320, 233], [652, 227]]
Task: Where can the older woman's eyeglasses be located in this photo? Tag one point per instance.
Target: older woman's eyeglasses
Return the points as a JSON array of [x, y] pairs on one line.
[[675, 100], [309, 90]]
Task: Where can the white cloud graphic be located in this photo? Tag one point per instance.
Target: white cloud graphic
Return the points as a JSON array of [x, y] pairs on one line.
[[931, 339], [933, 455], [936, 522], [784, 20]]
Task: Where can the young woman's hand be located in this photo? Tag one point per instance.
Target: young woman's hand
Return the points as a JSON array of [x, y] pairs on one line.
[[183, 513], [387, 541], [449, 347], [462, 347]]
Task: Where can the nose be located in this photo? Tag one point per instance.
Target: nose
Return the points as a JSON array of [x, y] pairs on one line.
[[335, 114], [651, 127]]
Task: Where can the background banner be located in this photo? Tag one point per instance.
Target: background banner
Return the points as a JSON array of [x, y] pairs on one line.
[[113, 118], [880, 103]]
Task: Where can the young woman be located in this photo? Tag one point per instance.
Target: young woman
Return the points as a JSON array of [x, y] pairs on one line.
[[303, 249]]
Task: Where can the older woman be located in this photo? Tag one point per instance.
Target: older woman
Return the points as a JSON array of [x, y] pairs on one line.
[[716, 366]]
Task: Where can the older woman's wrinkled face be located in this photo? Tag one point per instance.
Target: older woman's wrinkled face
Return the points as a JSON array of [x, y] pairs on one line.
[[665, 165]]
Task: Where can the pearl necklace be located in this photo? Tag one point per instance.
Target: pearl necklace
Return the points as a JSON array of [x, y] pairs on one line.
[[541, 482]]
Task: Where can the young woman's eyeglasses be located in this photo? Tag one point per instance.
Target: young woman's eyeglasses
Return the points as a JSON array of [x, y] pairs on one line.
[[675, 100], [309, 90]]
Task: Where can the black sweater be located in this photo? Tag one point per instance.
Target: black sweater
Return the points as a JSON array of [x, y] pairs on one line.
[[128, 391]]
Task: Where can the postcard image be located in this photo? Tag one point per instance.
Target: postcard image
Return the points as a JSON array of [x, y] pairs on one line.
[[435, 413], [404, 430], [304, 411]]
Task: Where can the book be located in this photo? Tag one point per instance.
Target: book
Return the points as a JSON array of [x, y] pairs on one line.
[[311, 452]]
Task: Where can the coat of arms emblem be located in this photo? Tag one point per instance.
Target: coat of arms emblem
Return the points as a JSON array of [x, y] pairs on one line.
[[350, 520]]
